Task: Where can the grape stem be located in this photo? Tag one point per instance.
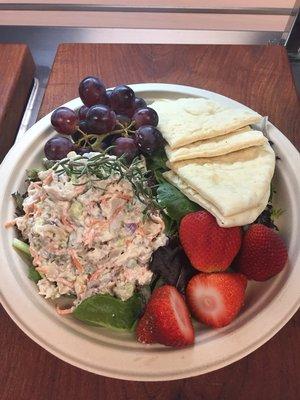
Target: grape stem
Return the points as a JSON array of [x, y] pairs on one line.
[[98, 138]]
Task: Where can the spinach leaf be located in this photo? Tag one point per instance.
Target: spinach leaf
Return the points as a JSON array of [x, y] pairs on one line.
[[108, 311], [47, 164], [32, 174], [171, 226], [158, 176], [24, 249], [18, 199], [157, 162], [270, 214], [33, 274], [173, 202], [145, 293], [171, 264]]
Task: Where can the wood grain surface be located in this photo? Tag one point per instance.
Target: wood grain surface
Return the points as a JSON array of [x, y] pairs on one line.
[[257, 76], [16, 78]]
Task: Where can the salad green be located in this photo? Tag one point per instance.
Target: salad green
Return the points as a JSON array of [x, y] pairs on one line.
[[175, 204], [108, 311], [24, 248]]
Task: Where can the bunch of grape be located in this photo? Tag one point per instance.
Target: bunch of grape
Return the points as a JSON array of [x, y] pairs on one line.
[[114, 119]]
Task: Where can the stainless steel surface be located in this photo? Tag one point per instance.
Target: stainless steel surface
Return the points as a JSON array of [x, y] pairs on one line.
[[291, 22], [31, 111]]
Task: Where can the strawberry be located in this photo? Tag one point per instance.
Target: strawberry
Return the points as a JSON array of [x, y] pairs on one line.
[[215, 299], [209, 247], [144, 330], [263, 253], [166, 319]]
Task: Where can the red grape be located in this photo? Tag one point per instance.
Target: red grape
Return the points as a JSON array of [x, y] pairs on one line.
[[129, 112], [92, 91], [110, 140], [124, 120], [101, 119], [127, 147], [145, 116], [122, 99], [58, 147], [82, 113], [139, 103], [108, 94], [83, 150], [85, 127], [148, 139], [64, 120]]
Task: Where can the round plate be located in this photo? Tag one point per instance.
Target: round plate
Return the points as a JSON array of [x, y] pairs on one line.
[[268, 305]]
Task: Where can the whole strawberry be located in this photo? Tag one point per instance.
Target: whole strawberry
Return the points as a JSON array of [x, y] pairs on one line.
[[215, 299], [263, 253], [166, 319], [209, 247]]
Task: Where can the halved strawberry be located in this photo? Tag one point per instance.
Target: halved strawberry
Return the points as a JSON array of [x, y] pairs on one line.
[[166, 319], [144, 330], [215, 299]]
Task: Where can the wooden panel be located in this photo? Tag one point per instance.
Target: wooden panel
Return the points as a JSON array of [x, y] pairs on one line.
[[258, 76], [16, 77], [244, 73]]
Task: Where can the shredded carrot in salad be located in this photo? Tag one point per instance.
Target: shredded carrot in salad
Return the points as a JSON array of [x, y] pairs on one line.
[[85, 238]]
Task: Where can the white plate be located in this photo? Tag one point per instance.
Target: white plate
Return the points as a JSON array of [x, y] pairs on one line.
[[268, 305]]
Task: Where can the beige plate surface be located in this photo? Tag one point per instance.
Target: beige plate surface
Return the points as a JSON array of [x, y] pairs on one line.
[[268, 305]]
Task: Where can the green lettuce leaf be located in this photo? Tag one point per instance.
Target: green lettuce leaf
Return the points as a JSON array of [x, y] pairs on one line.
[[173, 202], [157, 162], [23, 247], [32, 174], [18, 199], [171, 226], [33, 274], [108, 311]]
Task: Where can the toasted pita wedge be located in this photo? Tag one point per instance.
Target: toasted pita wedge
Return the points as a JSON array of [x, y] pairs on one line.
[[188, 120], [234, 141], [234, 182], [240, 219]]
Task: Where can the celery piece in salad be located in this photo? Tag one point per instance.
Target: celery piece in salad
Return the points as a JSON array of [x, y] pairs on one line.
[[24, 248], [110, 312], [21, 246], [76, 209]]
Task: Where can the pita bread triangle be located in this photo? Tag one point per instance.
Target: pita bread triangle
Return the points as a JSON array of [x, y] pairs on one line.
[[239, 219], [234, 141], [188, 120], [234, 182]]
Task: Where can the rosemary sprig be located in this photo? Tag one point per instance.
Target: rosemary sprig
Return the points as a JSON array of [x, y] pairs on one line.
[[103, 166]]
